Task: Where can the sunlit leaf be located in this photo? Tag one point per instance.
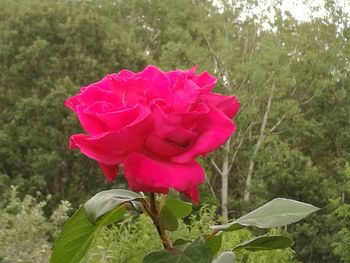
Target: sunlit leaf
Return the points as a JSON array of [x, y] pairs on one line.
[[278, 212], [105, 201]]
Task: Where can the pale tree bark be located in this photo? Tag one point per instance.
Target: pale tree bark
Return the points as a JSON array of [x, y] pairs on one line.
[[257, 146], [224, 173], [228, 160], [224, 183]]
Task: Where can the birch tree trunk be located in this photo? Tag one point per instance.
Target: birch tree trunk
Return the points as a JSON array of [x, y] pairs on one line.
[[224, 183], [257, 146]]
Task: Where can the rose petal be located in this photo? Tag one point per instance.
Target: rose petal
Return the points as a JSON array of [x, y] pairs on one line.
[[228, 104], [110, 171], [162, 147], [205, 81], [185, 92], [98, 148], [129, 91], [156, 82], [115, 120], [90, 123], [193, 194], [93, 93], [174, 74], [150, 175], [214, 129], [126, 73], [180, 136], [162, 124], [110, 147], [72, 102]]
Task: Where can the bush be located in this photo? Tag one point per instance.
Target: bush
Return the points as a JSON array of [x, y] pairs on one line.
[[26, 234], [132, 239]]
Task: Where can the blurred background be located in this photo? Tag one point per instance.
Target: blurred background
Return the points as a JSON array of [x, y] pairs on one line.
[[286, 61]]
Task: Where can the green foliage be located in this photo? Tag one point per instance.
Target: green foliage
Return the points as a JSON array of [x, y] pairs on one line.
[[265, 243], [273, 256], [48, 49], [340, 217], [25, 231], [103, 209], [126, 241], [78, 233], [195, 251], [131, 240]]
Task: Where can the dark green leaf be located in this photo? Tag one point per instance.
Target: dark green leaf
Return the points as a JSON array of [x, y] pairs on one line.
[[195, 252], [278, 212], [168, 219], [74, 239], [105, 201], [111, 217], [78, 233], [214, 243], [162, 256], [265, 243], [178, 207], [225, 257], [180, 242]]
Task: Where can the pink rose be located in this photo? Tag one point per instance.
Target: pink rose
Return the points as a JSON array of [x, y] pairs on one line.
[[153, 124]]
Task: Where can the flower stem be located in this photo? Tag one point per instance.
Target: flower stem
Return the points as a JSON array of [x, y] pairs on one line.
[[154, 214]]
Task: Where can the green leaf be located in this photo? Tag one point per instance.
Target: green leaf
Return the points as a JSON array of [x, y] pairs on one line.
[[168, 219], [111, 217], [180, 242], [78, 233], [105, 201], [265, 243], [178, 207], [214, 243], [74, 240], [195, 252], [225, 257], [278, 212]]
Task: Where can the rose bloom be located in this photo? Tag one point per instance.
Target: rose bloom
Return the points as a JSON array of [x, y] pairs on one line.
[[153, 124]]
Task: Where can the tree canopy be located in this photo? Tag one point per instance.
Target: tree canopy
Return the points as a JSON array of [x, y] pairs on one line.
[[292, 138]]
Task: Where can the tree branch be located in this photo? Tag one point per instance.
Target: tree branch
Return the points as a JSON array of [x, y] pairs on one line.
[[257, 146], [216, 167]]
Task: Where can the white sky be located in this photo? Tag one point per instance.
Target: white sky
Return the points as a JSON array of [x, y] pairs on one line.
[[302, 10]]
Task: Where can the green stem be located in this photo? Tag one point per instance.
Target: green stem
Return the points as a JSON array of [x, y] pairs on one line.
[[154, 214]]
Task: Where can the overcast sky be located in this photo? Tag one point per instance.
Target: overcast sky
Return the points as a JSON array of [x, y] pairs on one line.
[[297, 8], [301, 11]]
